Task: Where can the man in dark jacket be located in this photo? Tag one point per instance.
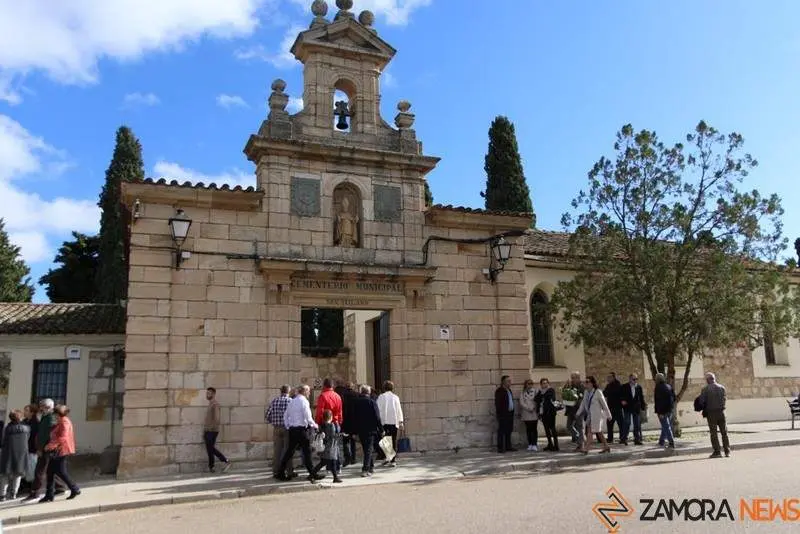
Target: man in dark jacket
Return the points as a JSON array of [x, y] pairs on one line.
[[663, 404], [349, 396], [504, 408], [367, 425], [613, 395], [632, 405], [46, 424]]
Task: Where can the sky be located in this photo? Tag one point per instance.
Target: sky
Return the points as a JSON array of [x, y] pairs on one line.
[[191, 78]]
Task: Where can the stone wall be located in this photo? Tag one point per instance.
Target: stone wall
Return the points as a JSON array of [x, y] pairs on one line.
[[106, 387]]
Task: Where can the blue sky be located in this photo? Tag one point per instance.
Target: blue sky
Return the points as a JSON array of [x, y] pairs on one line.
[[191, 77]]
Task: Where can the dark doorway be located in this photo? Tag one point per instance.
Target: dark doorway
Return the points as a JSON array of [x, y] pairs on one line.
[[381, 353]]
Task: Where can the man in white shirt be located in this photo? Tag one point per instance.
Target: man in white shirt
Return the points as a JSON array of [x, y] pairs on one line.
[[391, 416], [298, 420]]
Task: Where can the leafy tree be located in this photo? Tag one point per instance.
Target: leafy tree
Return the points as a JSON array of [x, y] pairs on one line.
[[673, 260], [126, 166], [428, 196], [506, 189], [74, 279], [15, 283]]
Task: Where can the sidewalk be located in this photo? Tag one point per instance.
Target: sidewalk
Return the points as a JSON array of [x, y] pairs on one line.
[[242, 481]]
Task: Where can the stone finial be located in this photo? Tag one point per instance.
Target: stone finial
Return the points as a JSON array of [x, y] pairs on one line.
[[344, 9], [278, 99], [404, 120], [319, 8], [367, 19]]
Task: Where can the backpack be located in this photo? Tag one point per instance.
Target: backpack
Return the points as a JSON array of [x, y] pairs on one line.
[[699, 405]]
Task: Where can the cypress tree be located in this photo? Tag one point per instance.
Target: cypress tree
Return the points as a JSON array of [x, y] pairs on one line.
[[506, 189], [126, 166], [74, 278], [15, 283], [428, 196]]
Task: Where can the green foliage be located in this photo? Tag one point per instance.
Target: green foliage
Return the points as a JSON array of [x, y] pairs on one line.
[[672, 258], [321, 331], [15, 283], [428, 196], [506, 189], [74, 278], [126, 166]]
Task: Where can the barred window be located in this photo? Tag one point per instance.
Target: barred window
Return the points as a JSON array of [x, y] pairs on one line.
[[541, 330], [50, 381]]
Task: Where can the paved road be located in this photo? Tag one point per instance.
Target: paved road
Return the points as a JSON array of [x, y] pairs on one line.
[[560, 502]]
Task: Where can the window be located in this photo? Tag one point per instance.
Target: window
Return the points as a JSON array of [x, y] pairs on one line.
[[769, 349], [541, 330], [50, 381], [322, 331]]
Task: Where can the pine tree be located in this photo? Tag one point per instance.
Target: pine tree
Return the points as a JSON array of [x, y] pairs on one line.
[[506, 189], [126, 166], [15, 283], [74, 279]]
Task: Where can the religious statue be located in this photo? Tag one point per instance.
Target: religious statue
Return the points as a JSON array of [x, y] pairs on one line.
[[346, 229]]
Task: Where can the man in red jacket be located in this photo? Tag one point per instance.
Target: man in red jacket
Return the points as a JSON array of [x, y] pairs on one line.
[[329, 400]]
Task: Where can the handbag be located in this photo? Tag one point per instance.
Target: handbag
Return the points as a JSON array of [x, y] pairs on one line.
[[403, 443], [318, 444], [643, 416], [386, 446]]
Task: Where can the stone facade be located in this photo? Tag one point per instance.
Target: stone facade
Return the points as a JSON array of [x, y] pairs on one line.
[[229, 316], [106, 386]]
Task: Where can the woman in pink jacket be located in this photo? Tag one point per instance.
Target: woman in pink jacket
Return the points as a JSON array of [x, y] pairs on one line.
[[60, 446]]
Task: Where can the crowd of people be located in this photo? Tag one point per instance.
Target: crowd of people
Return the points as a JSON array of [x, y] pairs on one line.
[[345, 416], [36, 443], [592, 413]]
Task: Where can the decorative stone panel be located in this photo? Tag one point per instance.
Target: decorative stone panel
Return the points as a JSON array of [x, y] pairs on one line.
[[388, 203], [305, 199]]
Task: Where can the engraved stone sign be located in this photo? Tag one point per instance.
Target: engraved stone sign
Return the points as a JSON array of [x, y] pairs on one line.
[[388, 201], [305, 197]]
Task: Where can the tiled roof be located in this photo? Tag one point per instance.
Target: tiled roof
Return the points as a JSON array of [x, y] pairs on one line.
[[199, 185], [26, 318], [544, 243], [462, 209]]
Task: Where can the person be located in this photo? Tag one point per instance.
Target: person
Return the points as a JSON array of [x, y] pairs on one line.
[[633, 403], [280, 436], [504, 408], [60, 447], [529, 414], [663, 405], [572, 395], [211, 431], [392, 417], [330, 455], [329, 400], [546, 403], [367, 425], [348, 394], [594, 409], [31, 420], [613, 394], [13, 456], [713, 397], [46, 423], [299, 422]]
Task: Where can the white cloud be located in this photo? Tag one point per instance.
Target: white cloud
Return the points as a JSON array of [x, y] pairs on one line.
[[295, 104], [174, 171], [395, 12], [7, 93], [281, 59], [141, 99], [231, 101], [32, 221], [65, 40], [388, 79]]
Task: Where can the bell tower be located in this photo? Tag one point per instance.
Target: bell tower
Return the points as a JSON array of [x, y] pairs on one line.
[[336, 168]]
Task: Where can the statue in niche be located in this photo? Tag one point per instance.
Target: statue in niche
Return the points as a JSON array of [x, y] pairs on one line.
[[346, 226]]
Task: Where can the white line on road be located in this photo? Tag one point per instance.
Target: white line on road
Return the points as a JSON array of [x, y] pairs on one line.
[[47, 522]]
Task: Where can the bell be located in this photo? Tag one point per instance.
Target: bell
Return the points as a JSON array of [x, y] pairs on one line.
[[341, 124]]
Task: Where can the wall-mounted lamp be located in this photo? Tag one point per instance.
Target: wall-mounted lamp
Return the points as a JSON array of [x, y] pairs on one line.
[[501, 253], [137, 209], [179, 227]]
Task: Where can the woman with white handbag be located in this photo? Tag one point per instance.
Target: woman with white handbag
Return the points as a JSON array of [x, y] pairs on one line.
[[595, 412]]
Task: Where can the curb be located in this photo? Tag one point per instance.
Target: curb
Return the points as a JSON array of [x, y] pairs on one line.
[[546, 465]]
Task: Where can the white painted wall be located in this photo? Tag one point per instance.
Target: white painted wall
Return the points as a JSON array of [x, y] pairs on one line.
[[24, 350], [787, 358], [364, 348]]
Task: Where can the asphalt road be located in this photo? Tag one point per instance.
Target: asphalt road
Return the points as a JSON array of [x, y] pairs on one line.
[[560, 503]]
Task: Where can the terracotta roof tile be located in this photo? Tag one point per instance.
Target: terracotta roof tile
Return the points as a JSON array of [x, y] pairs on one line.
[[544, 243], [53, 319], [199, 185], [462, 209]]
